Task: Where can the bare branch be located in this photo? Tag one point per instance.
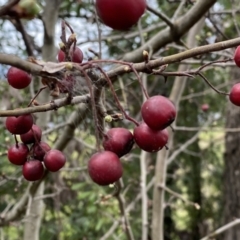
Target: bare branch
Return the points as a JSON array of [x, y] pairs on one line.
[[5, 8], [177, 195], [222, 229]]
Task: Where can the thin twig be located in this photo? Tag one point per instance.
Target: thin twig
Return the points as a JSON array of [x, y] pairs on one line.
[[121, 203], [161, 16], [177, 195], [222, 229]]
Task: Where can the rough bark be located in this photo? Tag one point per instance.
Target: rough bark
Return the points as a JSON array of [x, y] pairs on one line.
[[231, 193]]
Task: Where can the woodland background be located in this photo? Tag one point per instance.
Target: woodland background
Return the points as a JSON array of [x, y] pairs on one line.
[[200, 190]]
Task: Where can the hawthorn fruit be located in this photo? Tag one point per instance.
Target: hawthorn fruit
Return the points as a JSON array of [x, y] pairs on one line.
[[18, 78], [237, 56], [105, 168], [148, 139], [18, 153], [158, 112], [234, 95], [33, 170], [20, 124], [76, 56], [120, 14], [119, 141], [54, 160], [33, 135]]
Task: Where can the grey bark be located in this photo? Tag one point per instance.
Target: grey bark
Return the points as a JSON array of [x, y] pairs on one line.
[[161, 164]]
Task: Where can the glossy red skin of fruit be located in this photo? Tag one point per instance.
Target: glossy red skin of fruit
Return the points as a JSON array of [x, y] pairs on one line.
[[158, 112], [120, 14], [205, 107], [237, 56], [150, 140], [19, 125], [105, 168], [76, 57], [35, 133], [54, 160], [39, 150], [33, 170], [18, 78], [18, 153], [235, 94], [119, 141]]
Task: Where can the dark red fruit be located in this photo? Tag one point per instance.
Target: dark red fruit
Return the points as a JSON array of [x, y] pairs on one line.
[[76, 56], [54, 160], [61, 56], [33, 135], [20, 124], [158, 112], [119, 141], [150, 140], [33, 170], [237, 56], [39, 150], [18, 153], [235, 94], [18, 78], [120, 14], [105, 168], [205, 107]]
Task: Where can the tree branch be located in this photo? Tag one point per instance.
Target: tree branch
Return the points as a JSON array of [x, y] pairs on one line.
[[222, 229], [5, 8], [181, 26]]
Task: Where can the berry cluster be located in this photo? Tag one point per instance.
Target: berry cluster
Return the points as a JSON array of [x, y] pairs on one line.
[[158, 112], [31, 153]]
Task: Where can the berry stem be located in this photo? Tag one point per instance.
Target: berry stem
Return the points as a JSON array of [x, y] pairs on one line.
[[38, 92], [93, 104], [116, 97], [210, 85], [16, 141]]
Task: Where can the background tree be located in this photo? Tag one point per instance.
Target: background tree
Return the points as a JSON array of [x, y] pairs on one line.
[[173, 194]]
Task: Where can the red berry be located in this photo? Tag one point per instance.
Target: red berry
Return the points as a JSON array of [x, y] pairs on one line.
[[158, 112], [237, 56], [120, 14], [20, 124], [150, 140], [235, 94], [33, 170], [105, 168], [76, 56], [205, 107], [18, 153], [54, 160], [119, 141], [39, 150], [35, 133], [18, 78], [61, 56]]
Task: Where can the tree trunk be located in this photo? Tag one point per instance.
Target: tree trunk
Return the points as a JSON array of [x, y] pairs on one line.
[[161, 167], [231, 193]]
